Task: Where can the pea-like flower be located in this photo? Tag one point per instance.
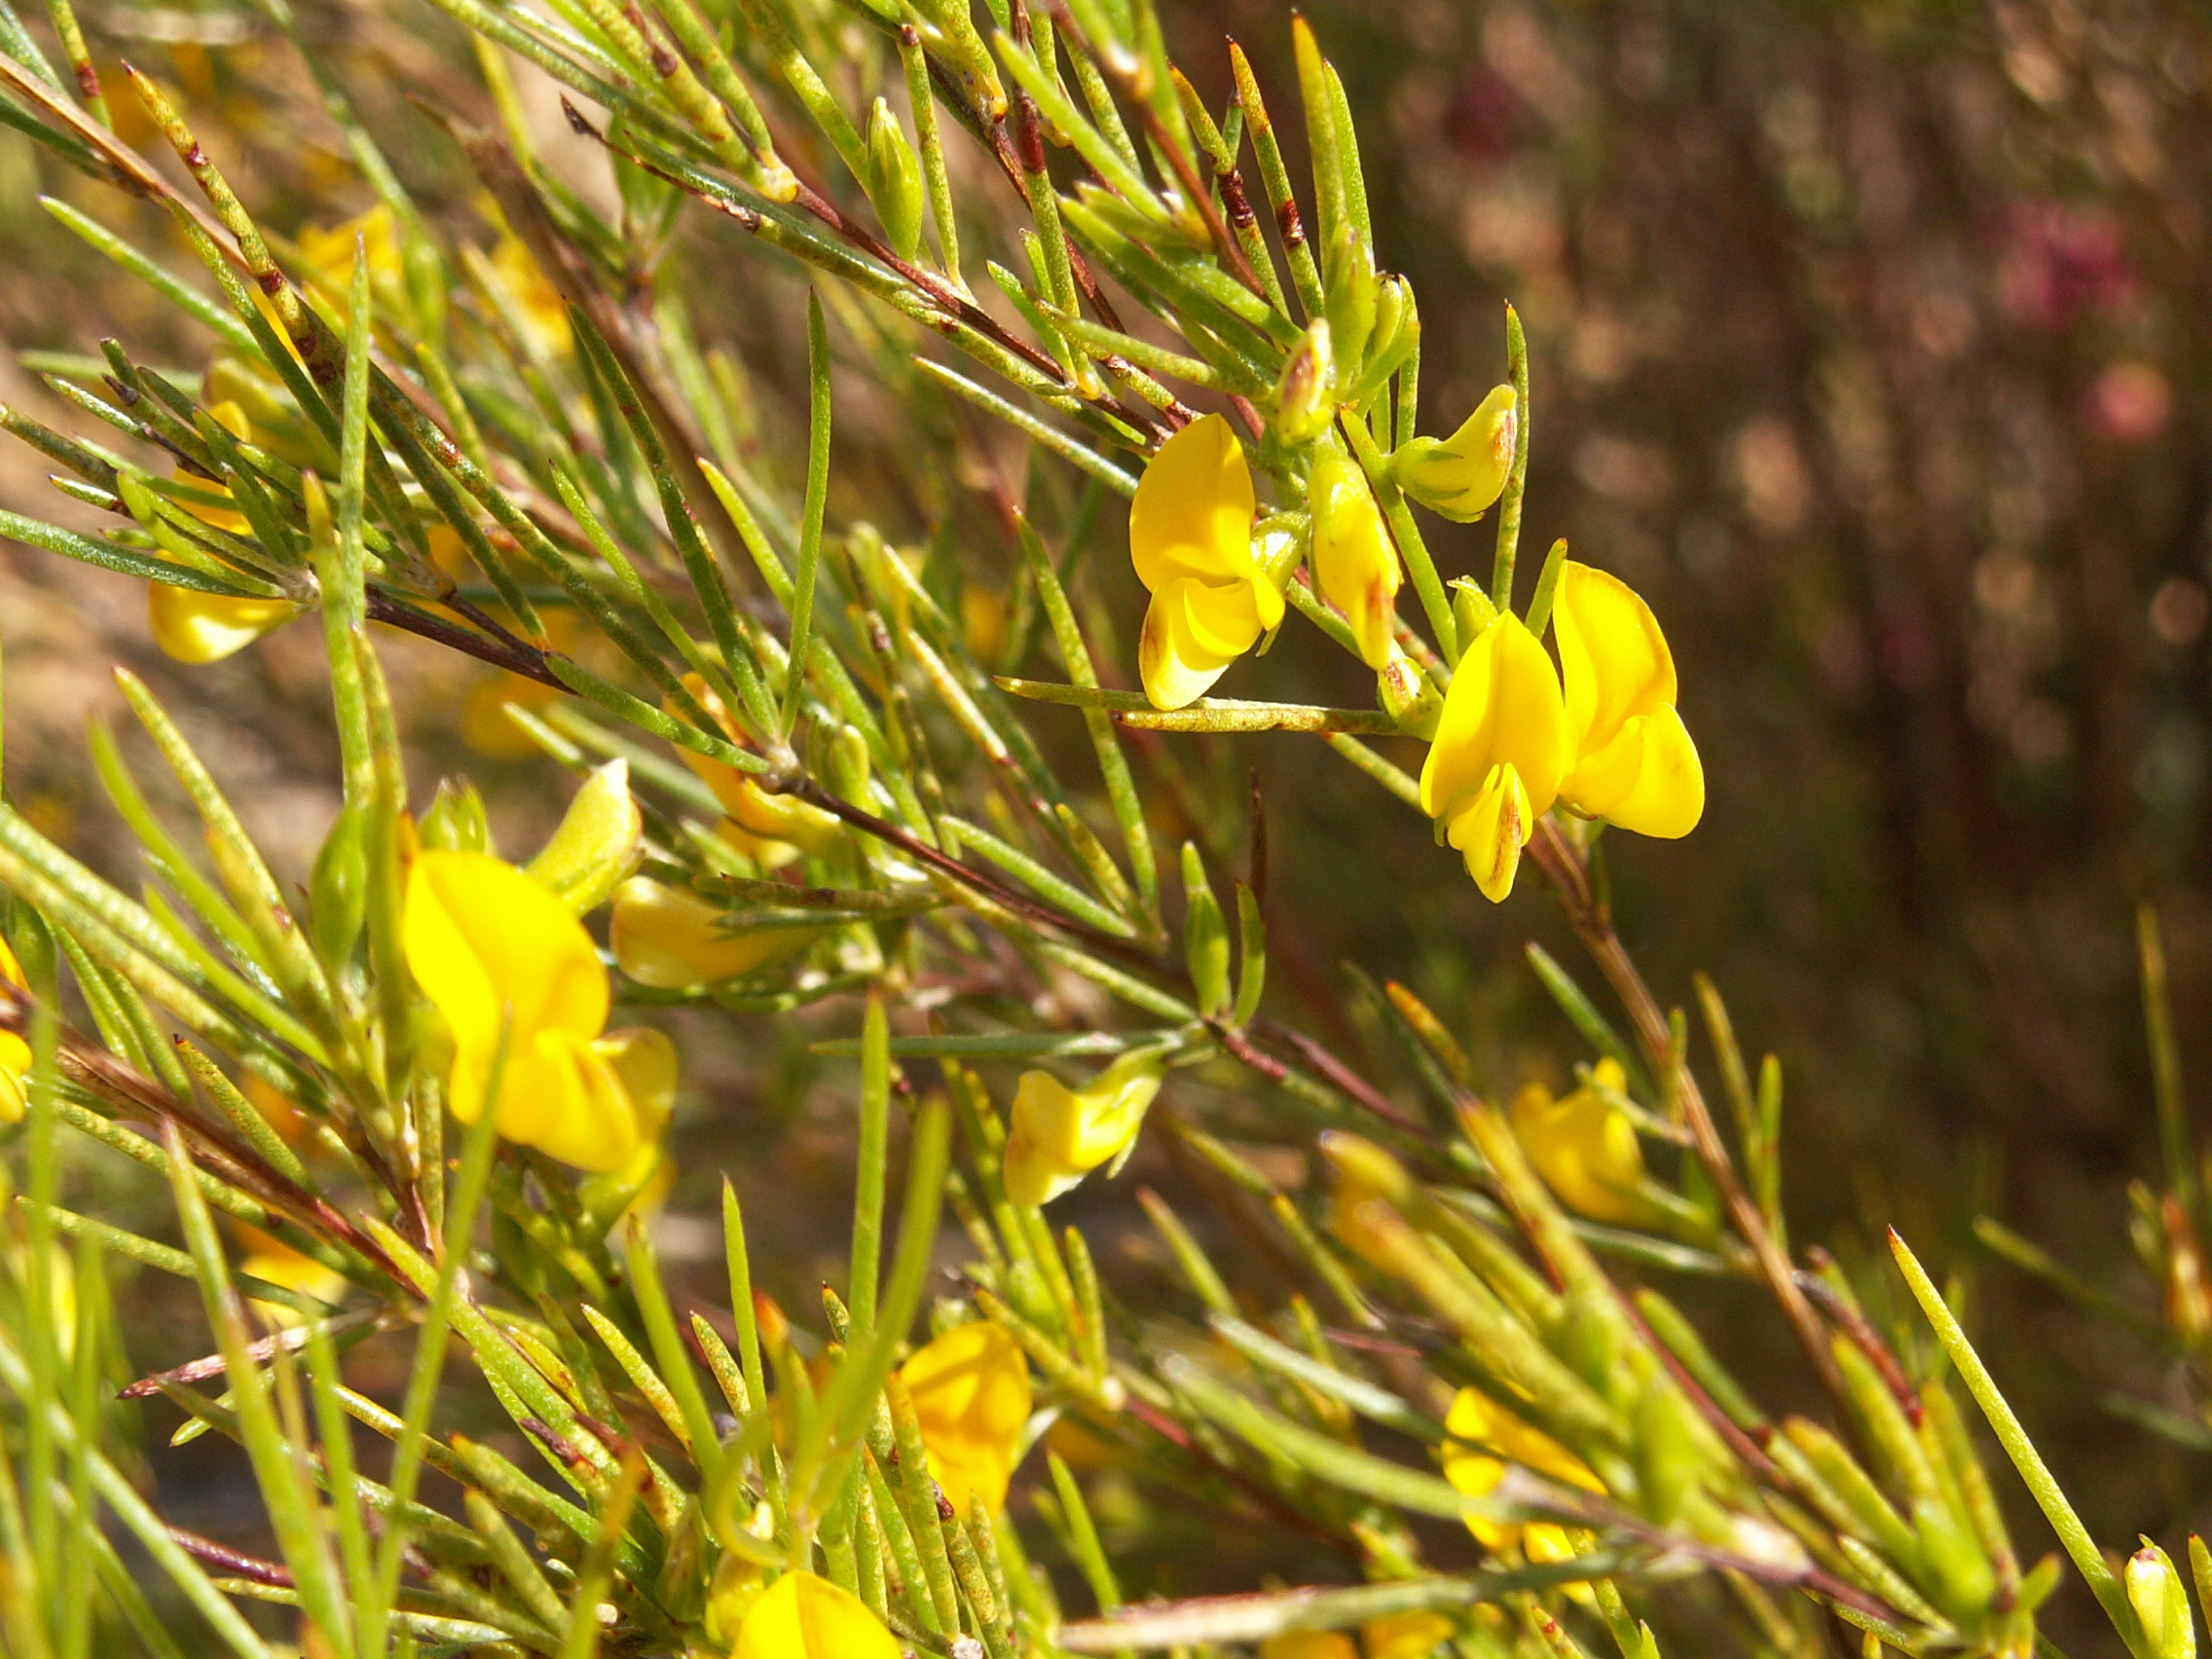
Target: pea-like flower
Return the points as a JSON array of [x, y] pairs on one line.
[[1635, 765], [669, 939], [1584, 1146], [770, 828], [274, 1262], [1460, 476], [496, 952], [1404, 1636], [1060, 1134], [802, 1616], [1354, 560], [195, 627], [1191, 540], [1607, 742], [1485, 1438], [1310, 1644], [14, 1052], [1501, 750], [972, 1399]]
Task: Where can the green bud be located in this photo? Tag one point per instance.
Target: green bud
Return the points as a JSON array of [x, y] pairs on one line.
[[1205, 936], [895, 181], [848, 766], [1471, 610], [337, 892], [2154, 1591], [1306, 396], [1965, 1580], [1460, 476], [599, 842], [1668, 1462], [1408, 696], [138, 497], [1352, 291], [456, 821]]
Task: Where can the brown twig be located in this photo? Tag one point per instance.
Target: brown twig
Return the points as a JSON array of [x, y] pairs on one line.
[[1592, 924]]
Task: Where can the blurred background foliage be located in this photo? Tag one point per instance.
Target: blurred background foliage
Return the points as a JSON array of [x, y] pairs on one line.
[[1870, 343]]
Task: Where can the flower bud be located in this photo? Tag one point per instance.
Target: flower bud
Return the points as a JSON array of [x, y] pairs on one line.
[[338, 891], [1355, 562], [1205, 936], [599, 842], [895, 183], [1306, 396], [848, 765], [1584, 1146], [456, 821], [1352, 291], [1409, 697], [1471, 610], [1460, 476], [2154, 1591], [672, 940]]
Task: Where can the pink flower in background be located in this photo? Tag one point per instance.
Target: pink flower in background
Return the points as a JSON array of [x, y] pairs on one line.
[[2128, 403], [2059, 263]]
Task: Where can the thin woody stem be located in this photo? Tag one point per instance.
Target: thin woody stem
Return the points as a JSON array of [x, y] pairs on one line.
[[1594, 926]]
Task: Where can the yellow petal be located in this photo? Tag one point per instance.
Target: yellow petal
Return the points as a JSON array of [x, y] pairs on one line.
[[1058, 1134], [669, 939], [492, 948], [1505, 706], [1404, 1636], [1310, 1644], [206, 627], [801, 1617], [1669, 794], [1194, 507], [972, 1399], [1613, 659], [1354, 560], [15, 1070], [1584, 1148], [1172, 657], [1491, 830], [538, 300]]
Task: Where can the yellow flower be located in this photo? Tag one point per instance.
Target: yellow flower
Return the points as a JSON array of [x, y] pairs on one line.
[[766, 825], [495, 950], [1354, 560], [1635, 765], [1310, 1644], [1191, 540], [1584, 1146], [328, 254], [1485, 1438], [274, 1262], [1501, 750], [1404, 1636], [970, 1392], [801, 1617], [14, 1052], [199, 627], [1460, 476], [1059, 1134], [542, 310], [669, 939]]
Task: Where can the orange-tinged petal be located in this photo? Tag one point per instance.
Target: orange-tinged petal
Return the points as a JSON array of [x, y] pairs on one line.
[[971, 1400], [801, 1617], [1613, 660], [1310, 1644], [1505, 706], [198, 627], [1194, 507]]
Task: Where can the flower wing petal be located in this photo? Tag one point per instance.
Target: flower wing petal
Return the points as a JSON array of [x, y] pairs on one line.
[[1613, 659], [1668, 797], [1194, 507]]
